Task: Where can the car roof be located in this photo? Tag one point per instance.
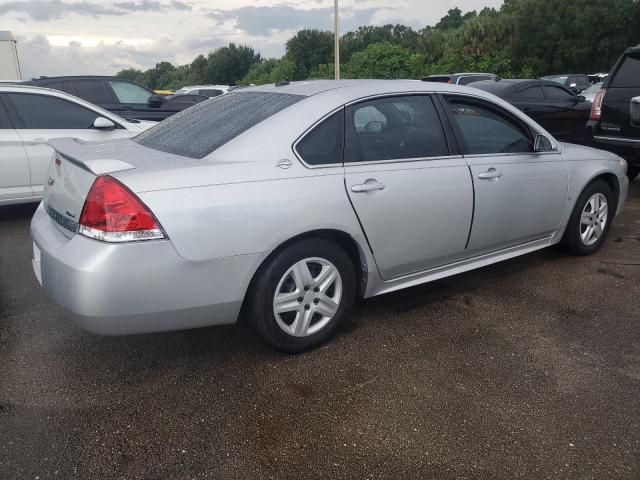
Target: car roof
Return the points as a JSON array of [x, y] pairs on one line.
[[510, 84], [77, 77], [189, 87], [349, 90]]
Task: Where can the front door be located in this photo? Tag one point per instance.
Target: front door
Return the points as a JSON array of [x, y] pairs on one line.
[[413, 197], [520, 196], [41, 118], [14, 167]]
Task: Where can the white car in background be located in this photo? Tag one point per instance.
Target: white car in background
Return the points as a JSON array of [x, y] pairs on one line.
[[29, 118], [205, 90]]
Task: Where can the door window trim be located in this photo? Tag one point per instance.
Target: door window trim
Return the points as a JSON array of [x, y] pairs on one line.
[[483, 101]]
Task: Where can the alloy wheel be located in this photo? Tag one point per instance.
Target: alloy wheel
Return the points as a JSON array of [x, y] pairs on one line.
[[594, 219], [307, 297]]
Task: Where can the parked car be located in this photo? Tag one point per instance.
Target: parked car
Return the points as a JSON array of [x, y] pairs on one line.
[[288, 201], [29, 118], [560, 111], [188, 99], [125, 98], [590, 93], [577, 83], [460, 78], [615, 116], [206, 90]]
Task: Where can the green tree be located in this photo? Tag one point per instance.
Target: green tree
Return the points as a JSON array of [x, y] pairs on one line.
[[453, 19], [309, 48], [227, 65], [385, 60]]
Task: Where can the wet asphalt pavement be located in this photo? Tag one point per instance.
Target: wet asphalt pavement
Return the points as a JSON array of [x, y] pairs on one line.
[[525, 369]]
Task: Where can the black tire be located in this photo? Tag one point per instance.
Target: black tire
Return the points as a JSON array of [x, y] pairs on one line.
[[632, 171], [260, 306], [572, 239]]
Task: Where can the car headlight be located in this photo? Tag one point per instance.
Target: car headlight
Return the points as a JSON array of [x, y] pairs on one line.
[[623, 165]]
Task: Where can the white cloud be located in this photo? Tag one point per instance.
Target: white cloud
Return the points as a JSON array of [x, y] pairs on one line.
[[58, 37]]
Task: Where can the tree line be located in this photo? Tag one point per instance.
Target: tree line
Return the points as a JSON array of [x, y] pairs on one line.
[[523, 38]]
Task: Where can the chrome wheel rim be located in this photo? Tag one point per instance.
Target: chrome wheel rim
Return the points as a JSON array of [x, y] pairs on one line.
[[593, 219], [307, 297]]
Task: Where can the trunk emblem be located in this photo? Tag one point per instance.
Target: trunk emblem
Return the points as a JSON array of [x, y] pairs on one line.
[[51, 181]]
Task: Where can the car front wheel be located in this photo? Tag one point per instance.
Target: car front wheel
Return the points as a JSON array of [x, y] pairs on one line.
[[590, 219], [301, 296]]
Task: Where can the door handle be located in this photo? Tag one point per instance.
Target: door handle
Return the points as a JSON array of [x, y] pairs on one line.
[[489, 174], [368, 186]]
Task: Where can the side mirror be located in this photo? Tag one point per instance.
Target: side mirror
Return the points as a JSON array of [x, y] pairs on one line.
[[542, 144], [155, 101], [634, 110], [581, 98], [102, 123]]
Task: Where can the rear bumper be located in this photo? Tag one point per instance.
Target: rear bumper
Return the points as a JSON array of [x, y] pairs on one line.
[[136, 287], [627, 148]]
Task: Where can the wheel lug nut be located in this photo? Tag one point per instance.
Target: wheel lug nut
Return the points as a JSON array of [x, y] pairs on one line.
[[300, 299], [316, 301], [316, 289], [307, 307], [306, 287]]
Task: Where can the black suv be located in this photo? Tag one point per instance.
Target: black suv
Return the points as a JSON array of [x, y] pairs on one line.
[[120, 96], [615, 115]]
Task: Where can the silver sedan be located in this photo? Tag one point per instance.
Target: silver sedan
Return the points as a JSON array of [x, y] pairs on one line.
[[282, 204]]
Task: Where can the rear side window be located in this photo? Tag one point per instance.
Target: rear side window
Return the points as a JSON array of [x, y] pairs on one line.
[[557, 94], [394, 128], [201, 129], [94, 91], [44, 112], [210, 92], [628, 75], [323, 144], [486, 129], [129, 92], [473, 78], [531, 94]]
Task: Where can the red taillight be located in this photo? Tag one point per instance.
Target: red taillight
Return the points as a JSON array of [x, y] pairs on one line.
[[596, 107], [112, 213]]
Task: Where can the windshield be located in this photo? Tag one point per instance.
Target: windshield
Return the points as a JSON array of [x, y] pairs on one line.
[[201, 129]]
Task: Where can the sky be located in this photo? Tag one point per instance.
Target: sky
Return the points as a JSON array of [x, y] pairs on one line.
[[101, 37]]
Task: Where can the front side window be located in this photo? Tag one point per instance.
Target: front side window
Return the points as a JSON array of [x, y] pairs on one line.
[[51, 113], [4, 118], [487, 129], [323, 144], [129, 92], [556, 94], [201, 129], [394, 128]]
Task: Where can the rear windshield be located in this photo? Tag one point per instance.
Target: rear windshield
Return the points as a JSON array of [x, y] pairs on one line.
[[628, 75], [201, 129]]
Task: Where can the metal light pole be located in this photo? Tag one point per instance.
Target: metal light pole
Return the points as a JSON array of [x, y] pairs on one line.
[[336, 42]]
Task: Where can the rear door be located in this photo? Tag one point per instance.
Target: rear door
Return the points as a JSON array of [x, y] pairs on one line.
[[14, 165], [622, 86], [520, 196], [407, 183], [40, 118]]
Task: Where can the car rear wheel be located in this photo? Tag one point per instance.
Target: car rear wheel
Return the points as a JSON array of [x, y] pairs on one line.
[[302, 295], [590, 219]]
